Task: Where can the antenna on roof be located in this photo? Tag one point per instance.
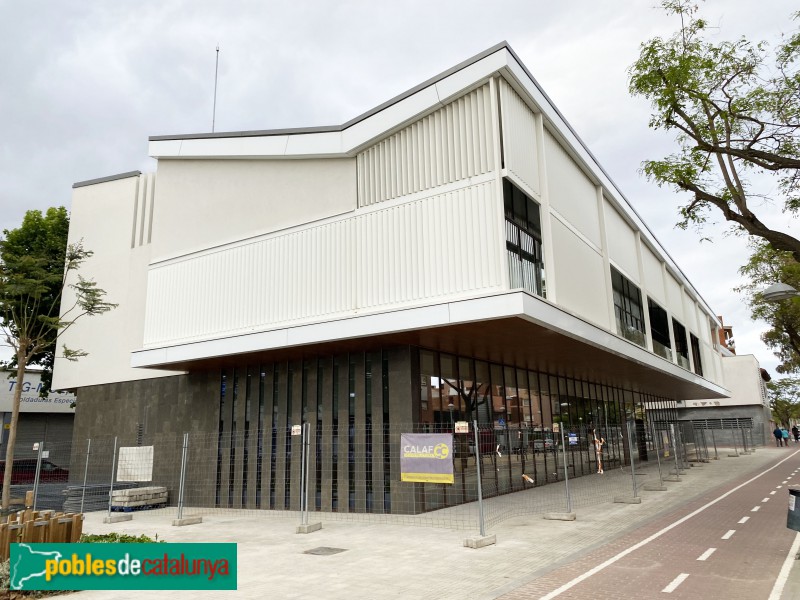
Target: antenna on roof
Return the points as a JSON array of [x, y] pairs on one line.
[[214, 112]]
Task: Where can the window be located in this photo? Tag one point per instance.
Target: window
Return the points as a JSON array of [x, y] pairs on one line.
[[523, 240], [681, 345], [698, 366], [628, 308], [659, 330]]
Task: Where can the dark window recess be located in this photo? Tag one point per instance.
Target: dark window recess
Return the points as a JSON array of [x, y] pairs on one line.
[[698, 365], [659, 330], [523, 240], [681, 344], [628, 308]]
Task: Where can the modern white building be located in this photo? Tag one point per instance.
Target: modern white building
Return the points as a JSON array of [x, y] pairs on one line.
[[458, 243], [747, 406]]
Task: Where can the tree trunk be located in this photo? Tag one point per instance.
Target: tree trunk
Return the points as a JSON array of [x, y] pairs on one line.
[[12, 432]]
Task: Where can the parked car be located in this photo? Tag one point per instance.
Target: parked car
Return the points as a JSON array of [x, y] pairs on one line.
[[24, 471]]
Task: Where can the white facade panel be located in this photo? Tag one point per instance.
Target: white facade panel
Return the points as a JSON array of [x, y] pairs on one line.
[[439, 247], [519, 138], [703, 326], [205, 203], [674, 299], [118, 269], [653, 276], [571, 193], [451, 144], [579, 276], [621, 243], [690, 313]]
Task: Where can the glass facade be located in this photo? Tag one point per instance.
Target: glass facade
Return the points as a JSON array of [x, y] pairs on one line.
[[628, 308], [524, 417], [523, 240]]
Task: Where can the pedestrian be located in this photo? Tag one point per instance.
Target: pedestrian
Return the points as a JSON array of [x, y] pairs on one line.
[[795, 433], [598, 450], [785, 435], [778, 436]]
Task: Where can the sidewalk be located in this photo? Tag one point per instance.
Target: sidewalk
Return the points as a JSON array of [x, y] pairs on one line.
[[381, 560]]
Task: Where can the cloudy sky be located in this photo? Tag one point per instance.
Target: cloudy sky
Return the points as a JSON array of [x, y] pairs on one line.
[[84, 83]]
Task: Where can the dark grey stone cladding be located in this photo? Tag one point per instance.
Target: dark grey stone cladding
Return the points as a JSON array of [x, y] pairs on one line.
[[233, 462]]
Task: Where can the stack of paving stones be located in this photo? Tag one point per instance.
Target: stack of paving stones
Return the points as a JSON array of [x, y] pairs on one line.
[[94, 498], [138, 498]]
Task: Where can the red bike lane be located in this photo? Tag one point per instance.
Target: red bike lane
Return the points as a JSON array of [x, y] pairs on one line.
[[730, 543]]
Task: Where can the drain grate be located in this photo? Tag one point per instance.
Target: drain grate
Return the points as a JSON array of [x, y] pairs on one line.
[[325, 551]]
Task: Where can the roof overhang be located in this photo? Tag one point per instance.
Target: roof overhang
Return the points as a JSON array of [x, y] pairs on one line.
[[512, 328]]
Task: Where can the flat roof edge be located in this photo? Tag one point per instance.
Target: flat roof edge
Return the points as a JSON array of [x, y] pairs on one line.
[[105, 179]]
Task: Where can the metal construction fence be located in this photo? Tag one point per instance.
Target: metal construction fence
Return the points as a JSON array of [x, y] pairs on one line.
[[347, 473]]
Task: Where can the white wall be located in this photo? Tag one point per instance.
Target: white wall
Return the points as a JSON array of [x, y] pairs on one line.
[[205, 203], [103, 216], [621, 244], [742, 376], [653, 277], [521, 156], [570, 191], [580, 277]]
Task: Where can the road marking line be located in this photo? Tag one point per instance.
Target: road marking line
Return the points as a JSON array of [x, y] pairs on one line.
[[777, 589], [783, 482], [594, 570], [706, 554], [779, 487], [772, 493], [765, 500], [744, 520], [675, 583], [729, 534], [755, 509]]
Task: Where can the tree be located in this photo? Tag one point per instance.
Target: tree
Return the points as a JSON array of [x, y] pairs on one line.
[[765, 267], [784, 399], [37, 270], [735, 108]]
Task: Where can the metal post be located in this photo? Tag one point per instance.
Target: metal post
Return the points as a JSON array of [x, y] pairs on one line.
[[38, 472], [752, 442], [658, 453], [481, 524], [714, 441], [303, 476], [86, 471], [182, 485], [744, 440], [307, 450], [685, 454], [113, 470], [631, 430], [675, 449], [566, 472], [733, 437]]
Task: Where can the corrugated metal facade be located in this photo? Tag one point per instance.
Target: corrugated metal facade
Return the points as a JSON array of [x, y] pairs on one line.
[[449, 145], [142, 230], [441, 247]]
